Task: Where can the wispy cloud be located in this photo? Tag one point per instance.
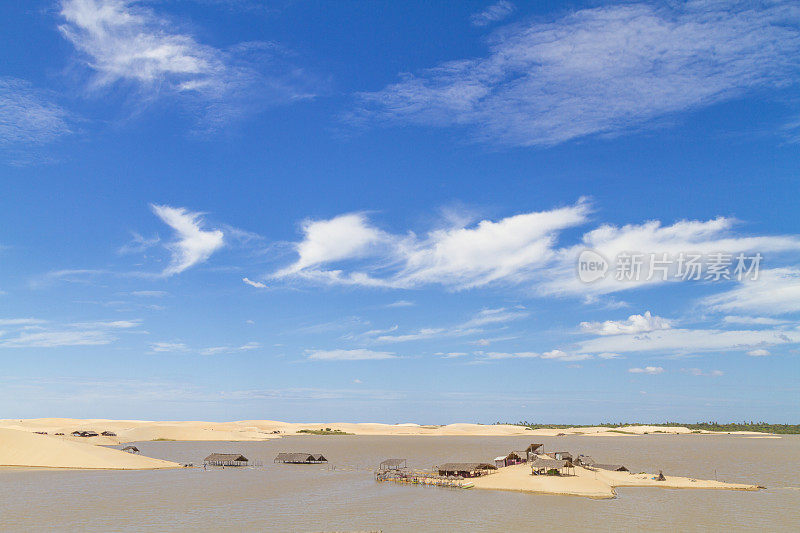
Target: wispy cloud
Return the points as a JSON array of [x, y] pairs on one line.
[[758, 353], [458, 256], [700, 372], [193, 245], [122, 41], [29, 116], [604, 70], [523, 249], [473, 326], [348, 355], [775, 292], [38, 333], [256, 284], [494, 13], [218, 350]]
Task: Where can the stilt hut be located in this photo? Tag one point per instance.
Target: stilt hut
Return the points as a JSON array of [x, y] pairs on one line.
[[465, 469], [392, 464], [225, 459], [297, 458]]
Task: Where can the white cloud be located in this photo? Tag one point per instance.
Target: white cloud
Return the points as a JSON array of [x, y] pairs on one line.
[[775, 292], [138, 244], [682, 340], [348, 355], [652, 370], [634, 324], [27, 116], [494, 13], [256, 284], [451, 355], [520, 249], [687, 237], [162, 347], [602, 70], [459, 256], [111, 324], [123, 41], [149, 294], [758, 353], [194, 245], [343, 237]]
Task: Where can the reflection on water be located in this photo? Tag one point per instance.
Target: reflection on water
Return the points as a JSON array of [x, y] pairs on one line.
[[342, 494]]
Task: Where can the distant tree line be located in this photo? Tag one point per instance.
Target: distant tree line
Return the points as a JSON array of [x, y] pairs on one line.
[[761, 427]]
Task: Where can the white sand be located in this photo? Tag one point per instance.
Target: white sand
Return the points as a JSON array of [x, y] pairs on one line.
[[23, 448]]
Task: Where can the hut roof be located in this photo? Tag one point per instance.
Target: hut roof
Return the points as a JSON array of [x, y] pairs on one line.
[[614, 468], [131, 448], [393, 463], [466, 467], [549, 463], [107, 433], [585, 460], [533, 447], [501, 458], [300, 457], [226, 457], [522, 454]]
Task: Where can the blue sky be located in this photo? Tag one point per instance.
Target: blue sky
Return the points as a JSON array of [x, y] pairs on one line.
[[376, 211]]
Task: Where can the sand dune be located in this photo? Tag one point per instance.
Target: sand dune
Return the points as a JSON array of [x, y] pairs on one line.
[[256, 430], [23, 448], [599, 484]]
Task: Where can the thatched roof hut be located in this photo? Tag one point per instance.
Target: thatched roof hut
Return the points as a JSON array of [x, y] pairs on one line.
[[584, 460], [543, 466], [226, 459], [534, 448], [393, 464], [465, 469], [107, 433], [300, 458]]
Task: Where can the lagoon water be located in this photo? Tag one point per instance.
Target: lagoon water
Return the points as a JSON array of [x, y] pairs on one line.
[[343, 496]]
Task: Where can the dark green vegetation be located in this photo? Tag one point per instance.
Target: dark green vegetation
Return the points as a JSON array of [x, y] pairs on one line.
[[326, 431], [761, 427]]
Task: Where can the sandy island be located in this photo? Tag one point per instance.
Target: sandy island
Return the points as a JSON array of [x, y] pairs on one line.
[[598, 484]]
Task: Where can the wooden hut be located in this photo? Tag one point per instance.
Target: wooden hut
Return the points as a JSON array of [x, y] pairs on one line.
[[533, 449], [300, 458], [562, 456], [225, 459], [584, 460], [465, 469], [541, 466], [392, 464], [130, 449], [513, 458]]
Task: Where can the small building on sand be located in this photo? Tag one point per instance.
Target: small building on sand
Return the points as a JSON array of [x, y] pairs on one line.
[[298, 458], [540, 467], [532, 450], [392, 464], [88, 433], [465, 469], [562, 456], [225, 459], [130, 449], [107, 433], [513, 458]]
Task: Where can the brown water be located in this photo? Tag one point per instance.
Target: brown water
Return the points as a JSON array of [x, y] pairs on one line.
[[279, 497]]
